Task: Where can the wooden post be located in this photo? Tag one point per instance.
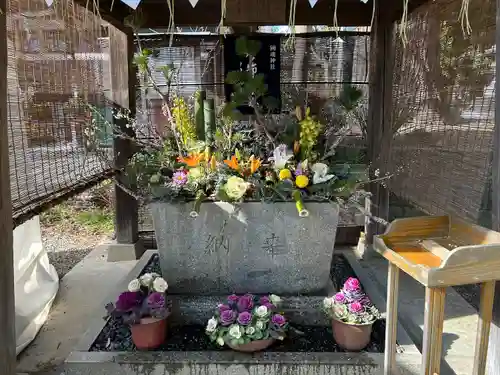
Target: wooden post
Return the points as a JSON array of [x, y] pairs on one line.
[[127, 245], [7, 307], [379, 132], [483, 327], [493, 363], [391, 322]]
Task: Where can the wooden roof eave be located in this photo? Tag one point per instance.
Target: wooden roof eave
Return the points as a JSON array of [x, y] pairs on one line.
[[112, 11]]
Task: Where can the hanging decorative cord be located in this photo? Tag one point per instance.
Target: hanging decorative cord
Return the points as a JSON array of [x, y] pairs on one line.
[[404, 24], [464, 17], [335, 19], [373, 15], [171, 22], [291, 25], [222, 15]]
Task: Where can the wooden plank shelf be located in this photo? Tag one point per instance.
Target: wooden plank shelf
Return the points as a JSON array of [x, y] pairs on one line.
[[439, 251]]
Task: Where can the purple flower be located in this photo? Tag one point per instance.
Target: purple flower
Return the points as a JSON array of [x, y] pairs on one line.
[[365, 301], [128, 300], [339, 297], [180, 177], [233, 299], [299, 170], [223, 307], [245, 318], [278, 320], [269, 306], [227, 317], [263, 300], [156, 300], [352, 284], [245, 303], [356, 307]]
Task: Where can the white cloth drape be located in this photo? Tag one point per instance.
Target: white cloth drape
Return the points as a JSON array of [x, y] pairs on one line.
[[36, 282]]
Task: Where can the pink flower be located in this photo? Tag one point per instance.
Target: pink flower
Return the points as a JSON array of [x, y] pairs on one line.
[[232, 299], [278, 319], [180, 177], [223, 307], [356, 307], [339, 297], [352, 284]]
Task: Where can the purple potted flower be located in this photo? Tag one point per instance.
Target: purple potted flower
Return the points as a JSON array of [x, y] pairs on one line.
[[352, 315], [247, 323], [145, 308]]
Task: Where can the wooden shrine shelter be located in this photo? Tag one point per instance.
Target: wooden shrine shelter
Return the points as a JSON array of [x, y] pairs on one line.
[[243, 16]]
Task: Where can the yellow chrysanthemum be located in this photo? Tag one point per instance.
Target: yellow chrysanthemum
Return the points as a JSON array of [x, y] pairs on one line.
[[285, 174], [301, 181]]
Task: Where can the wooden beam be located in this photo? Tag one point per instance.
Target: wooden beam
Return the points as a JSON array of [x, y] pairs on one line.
[[155, 13], [493, 363], [7, 307], [126, 206], [379, 133], [112, 11]]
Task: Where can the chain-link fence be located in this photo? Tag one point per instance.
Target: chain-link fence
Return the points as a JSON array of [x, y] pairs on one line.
[[313, 71], [443, 111], [58, 61]]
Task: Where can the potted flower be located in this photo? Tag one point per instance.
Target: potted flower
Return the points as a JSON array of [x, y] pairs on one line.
[[247, 323], [352, 315], [145, 308]]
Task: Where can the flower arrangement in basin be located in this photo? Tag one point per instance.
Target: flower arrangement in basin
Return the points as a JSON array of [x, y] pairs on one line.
[[145, 308], [247, 323], [353, 315]]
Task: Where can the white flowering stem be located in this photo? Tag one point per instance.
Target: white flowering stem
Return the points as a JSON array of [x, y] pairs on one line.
[[299, 204], [200, 196]]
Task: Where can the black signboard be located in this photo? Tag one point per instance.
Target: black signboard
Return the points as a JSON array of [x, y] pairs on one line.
[[266, 62]]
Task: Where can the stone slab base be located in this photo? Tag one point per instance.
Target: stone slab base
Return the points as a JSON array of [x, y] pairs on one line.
[[231, 363], [118, 252]]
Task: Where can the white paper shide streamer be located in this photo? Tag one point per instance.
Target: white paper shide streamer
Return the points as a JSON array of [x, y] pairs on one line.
[[313, 3], [193, 2]]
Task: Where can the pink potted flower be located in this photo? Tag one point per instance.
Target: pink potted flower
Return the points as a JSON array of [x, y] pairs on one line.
[[247, 323], [145, 308], [352, 315]]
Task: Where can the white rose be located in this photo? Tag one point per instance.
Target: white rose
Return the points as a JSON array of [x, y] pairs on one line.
[[220, 341], [261, 311], [160, 285], [259, 325], [235, 332], [155, 275], [134, 286], [250, 330], [212, 325], [275, 300], [327, 303], [146, 279]]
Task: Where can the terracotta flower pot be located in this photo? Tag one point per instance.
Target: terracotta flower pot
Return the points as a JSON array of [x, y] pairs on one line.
[[253, 346], [352, 337], [150, 333]]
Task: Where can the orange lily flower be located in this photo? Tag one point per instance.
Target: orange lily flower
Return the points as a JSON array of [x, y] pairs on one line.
[[192, 160], [232, 163], [254, 164]]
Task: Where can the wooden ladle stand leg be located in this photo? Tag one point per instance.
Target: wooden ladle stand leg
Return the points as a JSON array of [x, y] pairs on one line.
[[433, 326]]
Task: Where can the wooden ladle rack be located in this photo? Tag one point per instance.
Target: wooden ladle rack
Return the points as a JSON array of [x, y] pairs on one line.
[[439, 251]]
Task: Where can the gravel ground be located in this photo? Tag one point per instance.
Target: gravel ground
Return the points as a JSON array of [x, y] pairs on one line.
[[66, 249]]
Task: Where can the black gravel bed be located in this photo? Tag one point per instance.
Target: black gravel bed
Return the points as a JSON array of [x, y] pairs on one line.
[[115, 336]]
